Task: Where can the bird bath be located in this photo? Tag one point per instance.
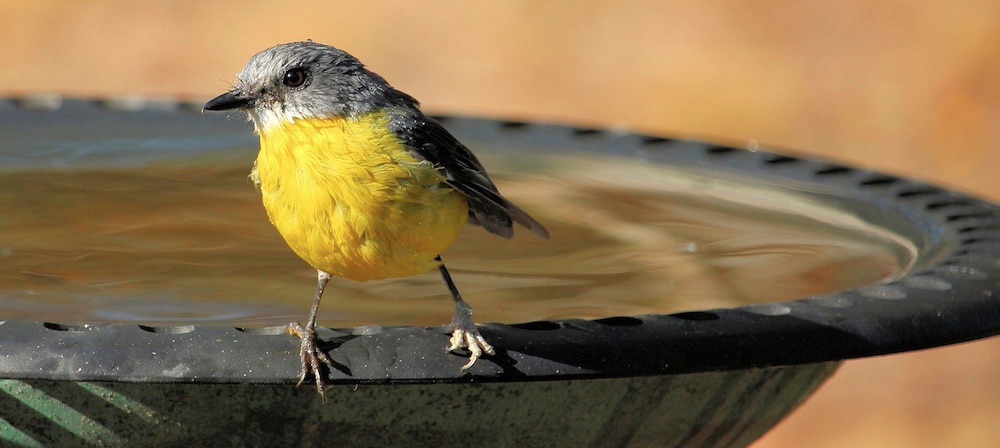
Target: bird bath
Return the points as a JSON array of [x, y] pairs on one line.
[[692, 294]]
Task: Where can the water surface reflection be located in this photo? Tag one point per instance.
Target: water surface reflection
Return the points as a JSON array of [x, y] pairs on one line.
[[181, 242]]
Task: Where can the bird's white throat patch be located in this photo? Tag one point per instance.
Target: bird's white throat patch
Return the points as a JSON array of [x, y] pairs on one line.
[[267, 118]]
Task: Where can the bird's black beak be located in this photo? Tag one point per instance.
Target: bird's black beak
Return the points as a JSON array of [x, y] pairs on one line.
[[233, 99]]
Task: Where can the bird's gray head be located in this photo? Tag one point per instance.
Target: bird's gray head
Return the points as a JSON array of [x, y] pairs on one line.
[[306, 80]]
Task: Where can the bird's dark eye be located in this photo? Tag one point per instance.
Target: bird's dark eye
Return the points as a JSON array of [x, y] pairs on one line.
[[295, 77]]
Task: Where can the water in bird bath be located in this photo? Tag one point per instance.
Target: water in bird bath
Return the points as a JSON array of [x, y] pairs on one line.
[[184, 239]]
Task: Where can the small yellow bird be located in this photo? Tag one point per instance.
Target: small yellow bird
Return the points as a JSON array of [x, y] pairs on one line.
[[359, 182]]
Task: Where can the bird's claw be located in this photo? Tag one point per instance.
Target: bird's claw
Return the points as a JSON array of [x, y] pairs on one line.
[[473, 341], [311, 357], [466, 335]]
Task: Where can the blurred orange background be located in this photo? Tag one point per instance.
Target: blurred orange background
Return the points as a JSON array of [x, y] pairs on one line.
[[905, 87]]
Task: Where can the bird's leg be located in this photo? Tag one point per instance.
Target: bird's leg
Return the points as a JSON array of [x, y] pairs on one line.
[[309, 353], [464, 333]]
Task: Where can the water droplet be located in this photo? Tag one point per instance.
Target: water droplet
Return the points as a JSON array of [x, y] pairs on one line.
[[367, 330], [883, 292], [769, 309], [832, 301], [927, 282], [966, 272], [689, 247]]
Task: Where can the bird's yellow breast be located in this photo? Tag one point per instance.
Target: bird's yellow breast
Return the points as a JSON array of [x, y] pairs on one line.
[[351, 200]]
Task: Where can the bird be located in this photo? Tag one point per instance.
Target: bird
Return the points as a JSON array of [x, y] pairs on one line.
[[359, 182]]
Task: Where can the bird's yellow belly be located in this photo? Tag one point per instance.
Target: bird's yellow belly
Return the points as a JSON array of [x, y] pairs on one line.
[[350, 200]]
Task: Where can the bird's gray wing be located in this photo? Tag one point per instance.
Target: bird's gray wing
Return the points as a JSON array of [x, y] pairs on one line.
[[427, 140]]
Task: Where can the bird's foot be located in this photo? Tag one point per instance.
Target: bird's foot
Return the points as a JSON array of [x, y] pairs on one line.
[[466, 335], [311, 357]]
